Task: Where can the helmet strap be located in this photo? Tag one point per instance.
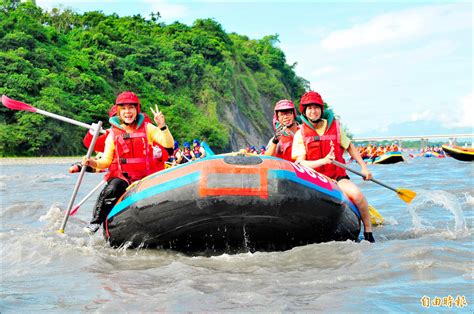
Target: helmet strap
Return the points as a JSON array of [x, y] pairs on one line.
[[129, 124], [311, 120], [315, 121]]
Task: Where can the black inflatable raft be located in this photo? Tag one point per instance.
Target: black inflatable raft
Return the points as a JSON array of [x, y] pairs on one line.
[[459, 153], [231, 204]]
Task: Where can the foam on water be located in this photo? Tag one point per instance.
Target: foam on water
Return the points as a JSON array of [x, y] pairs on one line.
[[422, 249], [427, 200], [469, 199], [53, 215]]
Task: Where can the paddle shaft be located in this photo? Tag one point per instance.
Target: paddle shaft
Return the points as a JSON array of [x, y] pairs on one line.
[[68, 120], [337, 163], [79, 179], [73, 212], [19, 105], [186, 158]]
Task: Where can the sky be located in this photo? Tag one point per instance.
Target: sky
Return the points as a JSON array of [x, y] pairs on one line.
[[379, 64]]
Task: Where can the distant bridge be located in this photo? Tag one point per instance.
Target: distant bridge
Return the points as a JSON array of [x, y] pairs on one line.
[[411, 137], [423, 138]]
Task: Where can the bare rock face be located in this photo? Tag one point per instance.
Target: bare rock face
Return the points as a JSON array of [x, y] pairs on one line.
[[249, 131]]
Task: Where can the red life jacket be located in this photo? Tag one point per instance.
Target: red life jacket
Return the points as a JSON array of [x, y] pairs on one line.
[[173, 157], [286, 144], [187, 155], [100, 142], [197, 151], [318, 146], [133, 155]]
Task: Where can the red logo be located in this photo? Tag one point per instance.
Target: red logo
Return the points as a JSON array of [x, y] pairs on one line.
[[312, 176]]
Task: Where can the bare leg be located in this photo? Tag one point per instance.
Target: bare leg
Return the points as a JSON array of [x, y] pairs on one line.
[[355, 195]]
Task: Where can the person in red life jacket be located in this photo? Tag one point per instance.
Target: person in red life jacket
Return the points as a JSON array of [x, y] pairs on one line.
[[198, 151], [128, 153], [98, 147], [262, 150], [100, 142], [187, 154], [285, 127], [160, 153], [173, 159], [317, 143]]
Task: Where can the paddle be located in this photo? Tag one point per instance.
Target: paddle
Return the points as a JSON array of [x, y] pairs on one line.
[[79, 179], [18, 105], [97, 128], [375, 217], [371, 159], [405, 194], [189, 160], [74, 210]]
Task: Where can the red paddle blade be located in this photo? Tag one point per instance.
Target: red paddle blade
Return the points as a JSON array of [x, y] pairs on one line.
[[16, 105], [73, 211]]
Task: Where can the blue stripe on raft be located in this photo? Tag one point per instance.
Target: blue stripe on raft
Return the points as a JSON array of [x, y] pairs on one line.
[[193, 177], [157, 189], [289, 175]]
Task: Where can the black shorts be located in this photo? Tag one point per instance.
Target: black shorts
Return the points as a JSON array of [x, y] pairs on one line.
[[344, 177]]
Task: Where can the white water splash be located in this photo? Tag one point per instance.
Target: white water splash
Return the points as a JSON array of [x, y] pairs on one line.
[[448, 201], [124, 247], [469, 199], [53, 216]]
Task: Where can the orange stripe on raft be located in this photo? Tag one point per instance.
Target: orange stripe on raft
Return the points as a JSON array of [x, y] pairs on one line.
[[262, 191], [219, 166]]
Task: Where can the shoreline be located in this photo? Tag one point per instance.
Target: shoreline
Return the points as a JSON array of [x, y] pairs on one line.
[[5, 161]]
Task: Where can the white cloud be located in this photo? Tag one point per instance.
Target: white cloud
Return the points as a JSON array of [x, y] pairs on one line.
[[398, 26], [466, 119], [462, 113], [409, 73], [456, 114], [421, 116]]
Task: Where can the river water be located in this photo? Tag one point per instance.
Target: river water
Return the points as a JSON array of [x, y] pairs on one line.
[[423, 256]]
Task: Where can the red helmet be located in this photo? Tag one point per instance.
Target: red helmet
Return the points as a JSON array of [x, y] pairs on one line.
[[285, 105], [311, 98], [128, 97], [281, 105]]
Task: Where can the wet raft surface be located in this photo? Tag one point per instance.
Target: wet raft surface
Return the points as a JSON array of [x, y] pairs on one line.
[[231, 204]]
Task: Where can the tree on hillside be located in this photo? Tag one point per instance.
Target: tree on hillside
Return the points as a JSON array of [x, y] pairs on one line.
[[75, 64]]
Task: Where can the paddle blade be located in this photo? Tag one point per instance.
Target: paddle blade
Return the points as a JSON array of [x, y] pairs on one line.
[[74, 210], [16, 105], [375, 217], [406, 195]]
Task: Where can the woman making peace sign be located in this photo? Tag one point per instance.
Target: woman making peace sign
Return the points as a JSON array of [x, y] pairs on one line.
[[128, 153]]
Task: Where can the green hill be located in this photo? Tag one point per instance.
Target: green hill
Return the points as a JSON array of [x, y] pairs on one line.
[[210, 84]]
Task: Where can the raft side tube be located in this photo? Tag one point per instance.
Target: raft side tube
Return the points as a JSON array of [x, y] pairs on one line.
[[260, 206]]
